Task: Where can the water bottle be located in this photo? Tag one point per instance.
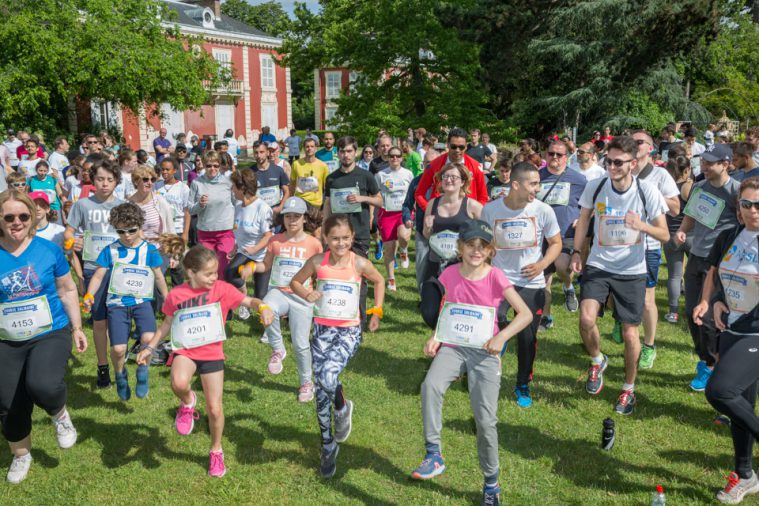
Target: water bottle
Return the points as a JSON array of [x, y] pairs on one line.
[[658, 498], [607, 434]]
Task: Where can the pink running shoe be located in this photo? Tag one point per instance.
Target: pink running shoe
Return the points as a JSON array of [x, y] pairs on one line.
[[275, 362], [186, 416], [306, 392], [216, 467]]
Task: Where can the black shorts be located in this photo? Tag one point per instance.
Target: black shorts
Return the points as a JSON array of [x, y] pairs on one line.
[[566, 247], [208, 366], [628, 291]]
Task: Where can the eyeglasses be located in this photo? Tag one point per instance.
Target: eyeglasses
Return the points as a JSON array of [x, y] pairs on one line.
[[213, 165], [617, 162], [451, 177], [583, 152], [745, 204], [394, 156], [368, 152], [640, 142], [130, 231], [457, 147], [148, 180], [553, 154], [10, 218]]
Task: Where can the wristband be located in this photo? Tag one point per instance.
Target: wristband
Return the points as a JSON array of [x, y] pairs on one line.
[[261, 308], [376, 311], [250, 264], [88, 297], [573, 252], [68, 244], [148, 347]]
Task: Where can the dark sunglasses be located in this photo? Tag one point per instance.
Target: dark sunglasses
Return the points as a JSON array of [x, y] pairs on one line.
[[583, 152], [617, 162], [148, 179], [10, 218], [459, 147], [19, 184], [745, 204], [213, 165], [122, 231], [553, 154], [395, 156]]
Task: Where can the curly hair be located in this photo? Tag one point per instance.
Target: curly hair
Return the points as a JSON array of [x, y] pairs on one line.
[[127, 214]]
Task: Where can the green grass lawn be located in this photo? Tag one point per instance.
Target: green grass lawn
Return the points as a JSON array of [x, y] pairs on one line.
[[129, 453]]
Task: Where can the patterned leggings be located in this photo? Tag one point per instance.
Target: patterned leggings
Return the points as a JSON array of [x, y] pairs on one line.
[[331, 349]]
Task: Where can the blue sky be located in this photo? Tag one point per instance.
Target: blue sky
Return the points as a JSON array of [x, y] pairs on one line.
[[289, 5]]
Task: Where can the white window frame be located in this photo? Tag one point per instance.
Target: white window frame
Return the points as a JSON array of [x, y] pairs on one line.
[[329, 115], [268, 82], [327, 89]]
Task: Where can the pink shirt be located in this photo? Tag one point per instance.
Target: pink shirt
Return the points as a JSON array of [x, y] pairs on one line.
[[487, 291]]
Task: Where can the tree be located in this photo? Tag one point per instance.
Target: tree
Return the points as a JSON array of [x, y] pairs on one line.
[[56, 50], [269, 17]]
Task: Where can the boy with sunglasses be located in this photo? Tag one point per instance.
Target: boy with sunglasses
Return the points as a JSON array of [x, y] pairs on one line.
[[133, 267]]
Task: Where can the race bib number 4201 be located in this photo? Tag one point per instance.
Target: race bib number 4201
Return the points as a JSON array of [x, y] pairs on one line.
[[444, 244], [193, 327], [465, 325], [339, 300]]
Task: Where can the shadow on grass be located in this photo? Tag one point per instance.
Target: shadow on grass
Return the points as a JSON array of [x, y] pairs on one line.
[[403, 375], [82, 395]]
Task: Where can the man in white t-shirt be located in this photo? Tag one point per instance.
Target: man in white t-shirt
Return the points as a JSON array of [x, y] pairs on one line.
[[232, 144], [520, 222], [493, 150], [587, 162], [11, 143], [625, 209], [57, 159]]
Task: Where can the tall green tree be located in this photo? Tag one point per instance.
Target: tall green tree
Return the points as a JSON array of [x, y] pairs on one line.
[[269, 17], [55, 50]]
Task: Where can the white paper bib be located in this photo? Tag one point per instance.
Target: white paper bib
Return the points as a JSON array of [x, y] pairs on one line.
[[516, 233], [272, 195], [339, 300], [283, 269], [25, 319], [704, 207], [444, 244], [613, 232], [559, 196], [193, 327], [307, 184], [499, 191], [132, 280], [741, 290], [339, 203], [94, 243], [465, 324]]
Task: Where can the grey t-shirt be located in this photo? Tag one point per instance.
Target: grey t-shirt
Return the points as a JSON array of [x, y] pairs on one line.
[[219, 213], [92, 215], [701, 204]]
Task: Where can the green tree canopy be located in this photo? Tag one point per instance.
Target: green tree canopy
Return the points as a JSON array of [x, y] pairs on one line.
[[269, 17]]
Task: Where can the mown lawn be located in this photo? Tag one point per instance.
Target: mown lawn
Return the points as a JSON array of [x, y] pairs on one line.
[[129, 453]]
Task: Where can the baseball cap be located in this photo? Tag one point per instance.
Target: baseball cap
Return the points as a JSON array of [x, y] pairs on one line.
[[294, 205], [10, 131], [690, 132], [718, 153], [40, 195], [476, 229], [272, 144]]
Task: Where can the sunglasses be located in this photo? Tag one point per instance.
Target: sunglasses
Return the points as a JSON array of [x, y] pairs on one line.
[[617, 162], [457, 147], [745, 204], [148, 179], [213, 165], [553, 154], [10, 218], [583, 152], [129, 231], [18, 185], [395, 156]]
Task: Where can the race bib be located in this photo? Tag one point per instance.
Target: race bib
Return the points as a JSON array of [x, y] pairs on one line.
[[132, 280], [332, 165], [444, 244], [741, 290], [307, 184], [516, 233], [704, 207], [193, 327], [338, 200], [94, 243], [465, 325], [499, 191], [272, 195], [559, 196], [25, 319], [612, 232], [283, 269], [339, 300], [393, 201]]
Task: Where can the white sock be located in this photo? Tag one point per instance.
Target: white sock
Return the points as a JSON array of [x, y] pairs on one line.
[[194, 401], [598, 360], [628, 386], [404, 250], [62, 415]]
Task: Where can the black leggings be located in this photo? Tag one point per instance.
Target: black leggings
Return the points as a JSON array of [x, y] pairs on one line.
[[32, 372], [260, 279], [705, 337], [732, 391], [527, 339]]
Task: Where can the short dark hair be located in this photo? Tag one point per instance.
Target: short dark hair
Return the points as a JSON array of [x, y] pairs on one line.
[[311, 140], [644, 132], [457, 132], [59, 141], [170, 159], [108, 166], [343, 142], [625, 144], [520, 170]]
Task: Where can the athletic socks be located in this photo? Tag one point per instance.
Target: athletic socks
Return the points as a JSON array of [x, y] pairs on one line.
[[628, 386], [598, 360]]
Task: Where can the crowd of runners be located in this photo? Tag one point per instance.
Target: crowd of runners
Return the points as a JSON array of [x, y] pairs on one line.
[[166, 247]]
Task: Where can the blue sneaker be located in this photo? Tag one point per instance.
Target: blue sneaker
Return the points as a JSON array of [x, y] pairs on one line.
[[491, 496], [702, 378], [122, 385], [524, 400], [379, 253], [431, 466], [142, 381], [546, 322]]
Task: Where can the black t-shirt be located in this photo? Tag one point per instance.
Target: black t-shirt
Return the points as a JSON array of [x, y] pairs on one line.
[[378, 164], [273, 176], [367, 185], [478, 152]]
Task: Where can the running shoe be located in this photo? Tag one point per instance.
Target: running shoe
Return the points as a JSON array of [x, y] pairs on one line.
[[404, 258], [647, 357], [703, 374], [595, 381], [672, 318], [721, 421], [344, 422], [264, 339], [625, 403], [378, 254], [122, 385], [491, 496], [616, 332], [546, 322], [64, 431], [186, 416], [570, 300], [306, 392], [243, 312], [328, 460], [216, 468], [432, 465], [19, 469], [104, 376], [275, 362], [391, 285], [737, 488], [524, 399], [141, 389]]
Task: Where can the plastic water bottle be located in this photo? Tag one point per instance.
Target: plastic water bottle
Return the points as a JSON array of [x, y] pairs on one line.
[[658, 498], [607, 434]]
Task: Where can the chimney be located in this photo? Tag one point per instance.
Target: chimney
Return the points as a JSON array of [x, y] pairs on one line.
[[214, 5]]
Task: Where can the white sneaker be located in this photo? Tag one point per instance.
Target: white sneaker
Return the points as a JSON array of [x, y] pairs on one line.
[[391, 285], [65, 431], [243, 312], [264, 339], [19, 468], [404, 258]]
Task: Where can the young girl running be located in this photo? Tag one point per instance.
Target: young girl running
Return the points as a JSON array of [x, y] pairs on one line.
[[286, 254], [471, 344], [337, 326], [195, 315], [48, 184]]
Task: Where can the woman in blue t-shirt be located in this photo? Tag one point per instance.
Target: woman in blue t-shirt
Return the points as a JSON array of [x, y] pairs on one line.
[[39, 314]]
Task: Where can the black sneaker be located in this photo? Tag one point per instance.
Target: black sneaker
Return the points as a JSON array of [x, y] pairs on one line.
[[570, 300], [595, 381], [625, 403], [328, 465], [104, 377]]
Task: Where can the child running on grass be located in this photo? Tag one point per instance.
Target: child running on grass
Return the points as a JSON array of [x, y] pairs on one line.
[[132, 268], [471, 344], [337, 326], [195, 315]]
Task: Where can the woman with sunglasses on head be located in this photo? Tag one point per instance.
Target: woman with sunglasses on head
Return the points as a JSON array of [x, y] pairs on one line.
[[39, 315], [732, 286]]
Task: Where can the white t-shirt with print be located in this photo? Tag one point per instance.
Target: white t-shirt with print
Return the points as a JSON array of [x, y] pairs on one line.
[[739, 272], [178, 197], [394, 185], [660, 179], [251, 223]]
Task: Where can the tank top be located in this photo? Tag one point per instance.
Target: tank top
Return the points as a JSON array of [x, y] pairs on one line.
[[349, 274], [452, 223], [673, 222]]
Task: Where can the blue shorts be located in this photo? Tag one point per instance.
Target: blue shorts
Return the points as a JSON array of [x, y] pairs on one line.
[[98, 311], [120, 321], [653, 261]]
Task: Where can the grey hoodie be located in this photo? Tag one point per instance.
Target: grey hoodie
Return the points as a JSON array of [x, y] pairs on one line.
[[219, 213]]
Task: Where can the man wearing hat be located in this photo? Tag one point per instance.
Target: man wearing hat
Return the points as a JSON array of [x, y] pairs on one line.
[[711, 209]]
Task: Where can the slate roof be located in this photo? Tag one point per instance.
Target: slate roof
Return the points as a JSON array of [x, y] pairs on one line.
[[192, 15]]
